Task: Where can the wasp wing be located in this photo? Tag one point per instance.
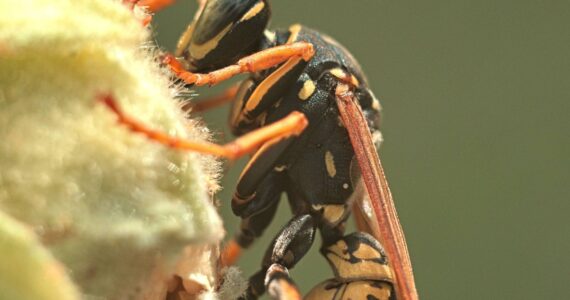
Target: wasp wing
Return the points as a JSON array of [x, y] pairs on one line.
[[388, 229]]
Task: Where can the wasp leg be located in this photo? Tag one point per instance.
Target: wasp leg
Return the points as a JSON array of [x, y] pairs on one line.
[[259, 61], [256, 197], [131, 5], [291, 125], [250, 229], [266, 200], [157, 5], [154, 5], [288, 247], [218, 100]]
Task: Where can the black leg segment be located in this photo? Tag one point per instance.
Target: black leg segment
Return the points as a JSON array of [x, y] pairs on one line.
[[290, 245]]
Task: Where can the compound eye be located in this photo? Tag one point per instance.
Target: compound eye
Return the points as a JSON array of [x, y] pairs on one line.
[[217, 16], [226, 31]]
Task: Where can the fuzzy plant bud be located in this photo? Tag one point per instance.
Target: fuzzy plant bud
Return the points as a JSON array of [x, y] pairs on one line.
[[109, 204]]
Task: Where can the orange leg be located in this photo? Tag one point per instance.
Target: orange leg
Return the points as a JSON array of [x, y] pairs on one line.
[[131, 5], [259, 61], [280, 285], [213, 102], [292, 124], [153, 5], [157, 5], [230, 254]]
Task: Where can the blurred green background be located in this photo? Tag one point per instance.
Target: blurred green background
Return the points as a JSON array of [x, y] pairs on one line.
[[476, 104]]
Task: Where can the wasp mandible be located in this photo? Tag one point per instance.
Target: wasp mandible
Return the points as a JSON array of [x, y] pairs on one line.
[[309, 116]]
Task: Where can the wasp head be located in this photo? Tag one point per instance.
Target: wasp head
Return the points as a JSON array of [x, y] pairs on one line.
[[225, 31]]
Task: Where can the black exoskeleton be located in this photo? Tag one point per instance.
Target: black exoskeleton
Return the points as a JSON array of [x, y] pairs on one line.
[[316, 170]]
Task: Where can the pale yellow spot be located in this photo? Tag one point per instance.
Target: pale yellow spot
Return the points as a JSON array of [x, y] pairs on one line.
[[294, 29], [270, 35], [329, 163], [338, 73], [345, 186], [354, 80], [307, 90], [376, 105], [200, 51], [333, 213], [280, 168], [253, 11], [317, 206]]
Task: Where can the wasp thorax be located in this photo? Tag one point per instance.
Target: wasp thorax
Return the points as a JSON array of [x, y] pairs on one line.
[[226, 31]]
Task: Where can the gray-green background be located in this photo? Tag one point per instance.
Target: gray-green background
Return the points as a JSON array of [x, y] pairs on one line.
[[476, 104]]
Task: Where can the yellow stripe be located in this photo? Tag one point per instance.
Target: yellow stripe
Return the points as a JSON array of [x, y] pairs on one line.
[[294, 29], [329, 163], [253, 11], [266, 84], [307, 90], [200, 51]]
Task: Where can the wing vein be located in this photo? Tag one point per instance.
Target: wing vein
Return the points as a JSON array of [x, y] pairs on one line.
[[390, 231]]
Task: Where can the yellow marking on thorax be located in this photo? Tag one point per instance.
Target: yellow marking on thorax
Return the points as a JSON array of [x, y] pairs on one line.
[[329, 163], [253, 11], [294, 29], [338, 73], [354, 80], [333, 213], [345, 77], [200, 51], [266, 84], [376, 104], [307, 90]]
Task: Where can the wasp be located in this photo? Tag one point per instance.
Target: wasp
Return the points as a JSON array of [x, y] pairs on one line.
[[309, 117]]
